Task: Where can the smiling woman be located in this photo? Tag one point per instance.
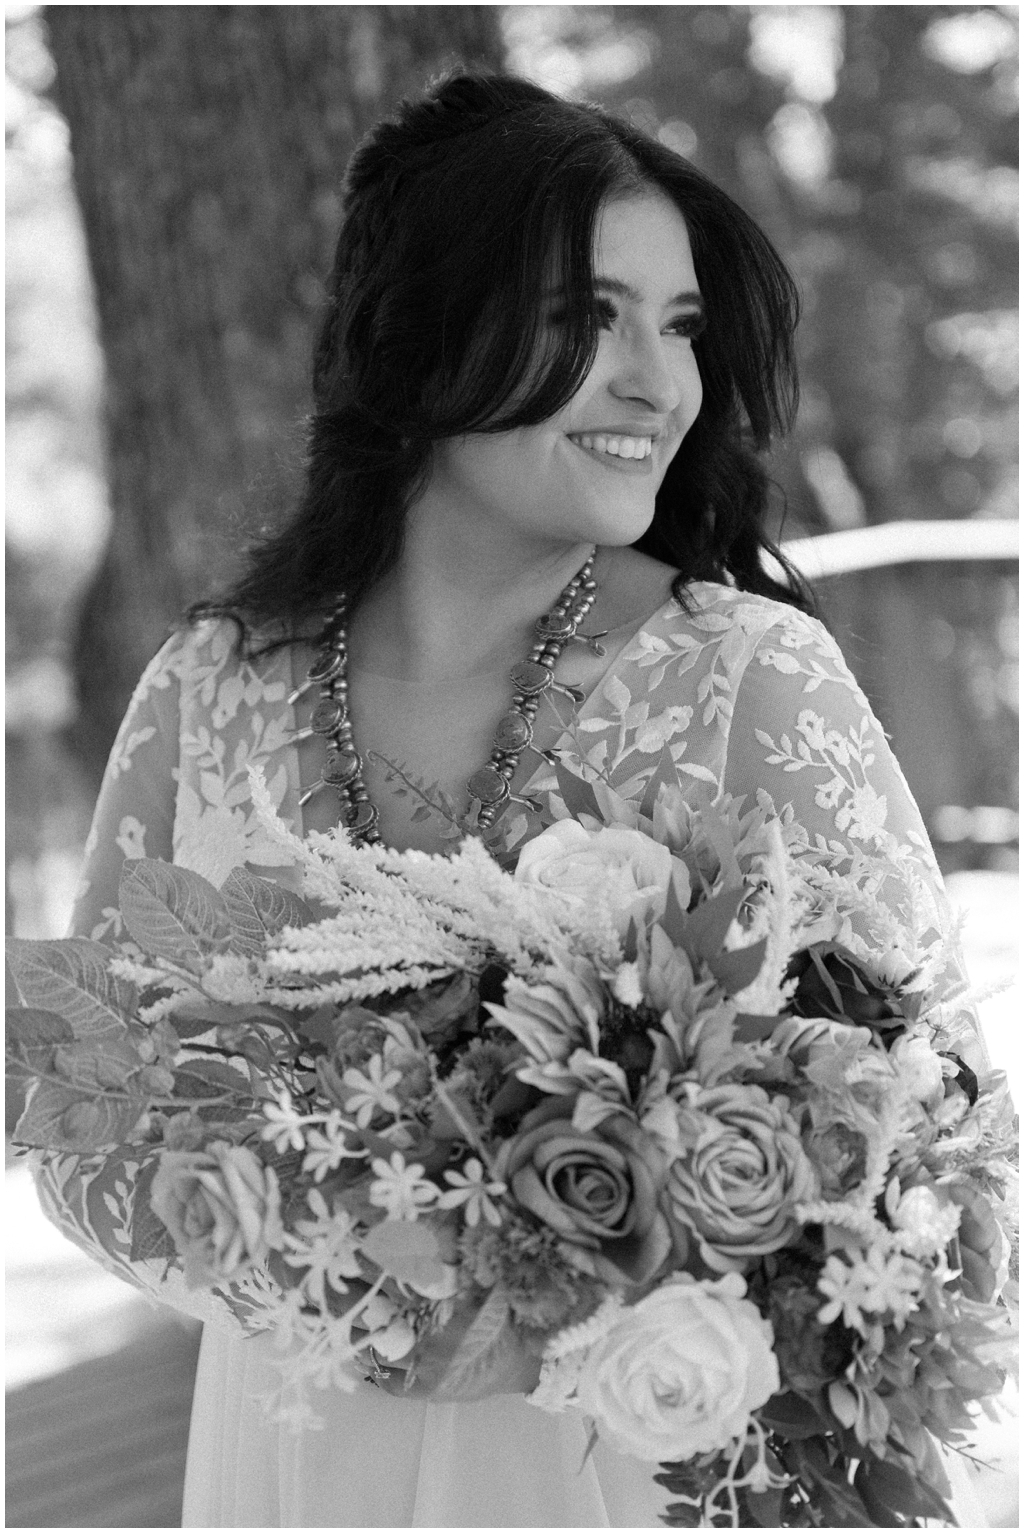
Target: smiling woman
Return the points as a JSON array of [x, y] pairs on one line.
[[530, 547]]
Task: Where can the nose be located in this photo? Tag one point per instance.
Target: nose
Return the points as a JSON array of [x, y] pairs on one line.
[[644, 372]]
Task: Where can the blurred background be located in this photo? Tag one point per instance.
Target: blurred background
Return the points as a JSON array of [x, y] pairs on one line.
[[173, 180]]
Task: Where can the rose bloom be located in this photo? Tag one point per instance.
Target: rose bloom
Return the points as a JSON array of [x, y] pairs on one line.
[[222, 1207], [574, 861], [743, 1171], [597, 1189], [680, 1372]]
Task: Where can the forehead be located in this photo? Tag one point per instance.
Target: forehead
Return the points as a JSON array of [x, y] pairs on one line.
[[644, 233]]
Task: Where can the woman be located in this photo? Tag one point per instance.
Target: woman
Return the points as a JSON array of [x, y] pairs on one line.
[[551, 354]]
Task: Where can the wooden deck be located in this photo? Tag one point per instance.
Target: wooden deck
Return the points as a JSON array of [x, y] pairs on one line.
[[102, 1445]]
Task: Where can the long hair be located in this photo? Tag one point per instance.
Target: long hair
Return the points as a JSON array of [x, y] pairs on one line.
[[458, 212]]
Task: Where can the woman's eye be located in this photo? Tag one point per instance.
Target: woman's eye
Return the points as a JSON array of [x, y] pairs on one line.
[[689, 325], [606, 313]]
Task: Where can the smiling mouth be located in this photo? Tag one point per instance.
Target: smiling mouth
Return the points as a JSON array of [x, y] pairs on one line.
[[627, 447], [622, 453]]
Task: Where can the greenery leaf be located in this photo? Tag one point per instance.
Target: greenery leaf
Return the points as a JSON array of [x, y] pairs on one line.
[[59, 1117], [703, 935], [765, 1507], [406, 1251], [258, 908], [489, 1358], [31, 1038], [209, 1078], [173, 913], [577, 795], [791, 1416], [71, 978], [751, 1027], [739, 968], [150, 1235], [664, 775]]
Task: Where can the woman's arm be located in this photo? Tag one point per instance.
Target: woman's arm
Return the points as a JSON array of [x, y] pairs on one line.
[[803, 731], [91, 1198]]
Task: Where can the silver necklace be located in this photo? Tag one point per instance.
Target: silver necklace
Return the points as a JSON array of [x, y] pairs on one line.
[[490, 785]]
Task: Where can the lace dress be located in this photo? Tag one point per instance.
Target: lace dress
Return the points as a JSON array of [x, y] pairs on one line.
[[748, 695]]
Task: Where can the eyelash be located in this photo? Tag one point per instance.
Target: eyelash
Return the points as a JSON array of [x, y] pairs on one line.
[[689, 326]]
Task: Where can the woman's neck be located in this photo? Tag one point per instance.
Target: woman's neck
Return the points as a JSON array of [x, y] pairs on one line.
[[457, 607]]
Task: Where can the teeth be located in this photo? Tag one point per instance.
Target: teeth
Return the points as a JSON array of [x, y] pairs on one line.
[[618, 446]]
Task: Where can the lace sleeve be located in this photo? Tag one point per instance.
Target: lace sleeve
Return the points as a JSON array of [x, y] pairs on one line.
[[91, 1198], [135, 811], [803, 731]]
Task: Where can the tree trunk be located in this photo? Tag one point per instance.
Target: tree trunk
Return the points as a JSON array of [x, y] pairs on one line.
[[209, 144]]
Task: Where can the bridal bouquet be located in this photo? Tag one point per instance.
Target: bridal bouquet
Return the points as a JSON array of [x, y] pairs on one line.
[[663, 1128]]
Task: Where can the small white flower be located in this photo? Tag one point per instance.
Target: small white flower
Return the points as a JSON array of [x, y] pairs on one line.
[[400, 1189], [372, 1091], [326, 1246], [626, 985], [326, 1150], [869, 1285], [285, 1124], [469, 1188]]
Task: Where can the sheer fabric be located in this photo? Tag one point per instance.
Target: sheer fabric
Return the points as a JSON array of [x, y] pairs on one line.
[[749, 696]]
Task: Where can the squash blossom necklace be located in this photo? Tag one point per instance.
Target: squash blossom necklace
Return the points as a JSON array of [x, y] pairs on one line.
[[490, 785]]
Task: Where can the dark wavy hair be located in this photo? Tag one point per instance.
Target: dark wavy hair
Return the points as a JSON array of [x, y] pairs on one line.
[[458, 212]]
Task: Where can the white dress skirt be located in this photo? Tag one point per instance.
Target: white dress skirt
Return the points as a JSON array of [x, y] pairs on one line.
[[384, 1462]]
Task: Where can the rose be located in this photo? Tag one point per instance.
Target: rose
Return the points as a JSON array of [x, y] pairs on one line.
[[629, 867], [832, 983], [598, 1189], [680, 1372], [222, 1207], [740, 1175]]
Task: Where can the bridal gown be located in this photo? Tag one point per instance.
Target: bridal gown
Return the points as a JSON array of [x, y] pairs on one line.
[[748, 695]]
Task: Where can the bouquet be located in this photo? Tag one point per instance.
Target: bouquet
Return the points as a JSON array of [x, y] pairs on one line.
[[666, 1128]]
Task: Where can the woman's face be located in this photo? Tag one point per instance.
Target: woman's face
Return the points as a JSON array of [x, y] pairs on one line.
[[591, 472]]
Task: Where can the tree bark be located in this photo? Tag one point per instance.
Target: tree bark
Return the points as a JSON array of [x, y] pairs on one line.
[[209, 144]]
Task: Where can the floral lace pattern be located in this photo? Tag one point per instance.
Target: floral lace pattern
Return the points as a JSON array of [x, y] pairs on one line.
[[747, 696]]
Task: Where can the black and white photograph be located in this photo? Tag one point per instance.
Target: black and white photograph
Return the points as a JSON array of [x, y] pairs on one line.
[[512, 766]]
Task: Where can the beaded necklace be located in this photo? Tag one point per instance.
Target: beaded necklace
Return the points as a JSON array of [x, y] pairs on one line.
[[490, 784]]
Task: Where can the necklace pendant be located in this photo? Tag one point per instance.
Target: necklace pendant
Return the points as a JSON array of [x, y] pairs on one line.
[[327, 716], [528, 802], [298, 735], [488, 785], [300, 691], [530, 677], [327, 665], [514, 732], [342, 768], [554, 626], [575, 693]]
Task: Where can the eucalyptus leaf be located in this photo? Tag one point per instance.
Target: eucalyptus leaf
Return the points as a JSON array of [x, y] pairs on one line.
[[577, 795], [173, 913], [663, 776], [739, 968], [72, 978], [706, 927]]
